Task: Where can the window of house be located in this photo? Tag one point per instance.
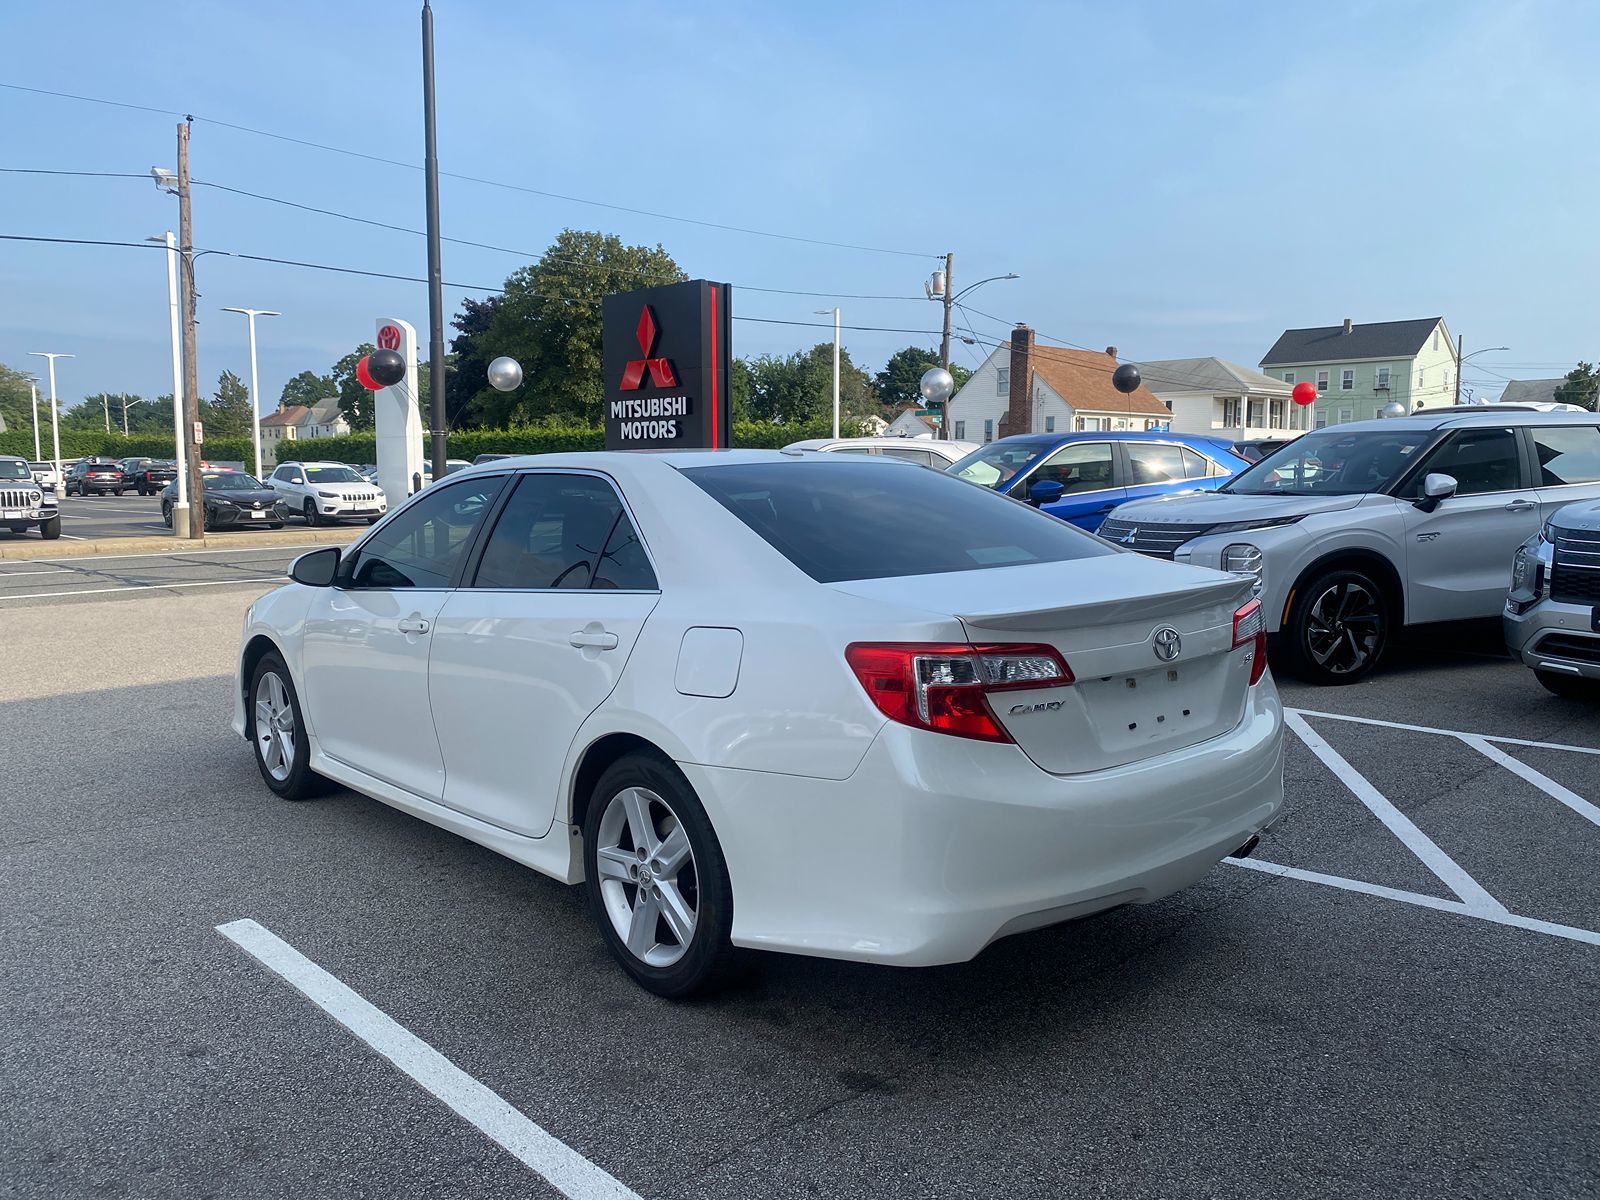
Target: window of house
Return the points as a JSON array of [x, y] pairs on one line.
[[1255, 414], [1167, 404], [1347, 380], [1049, 424], [1002, 381], [1322, 420], [1435, 339], [1322, 381], [564, 531], [961, 431], [988, 430], [1422, 378], [1383, 378], [1277, 414], [1288, 376], [1344, 416], [1230, 411], [1447, 381]]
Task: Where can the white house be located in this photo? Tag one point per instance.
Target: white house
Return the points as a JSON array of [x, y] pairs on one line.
[[296, 422], [910, 424], [1025, 388], [1222, 399]]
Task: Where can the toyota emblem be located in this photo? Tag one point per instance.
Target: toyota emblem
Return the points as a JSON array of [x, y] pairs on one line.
[[1166, 642]]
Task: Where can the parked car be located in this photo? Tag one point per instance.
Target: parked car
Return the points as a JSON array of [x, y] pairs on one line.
[[1353, 531], [24, 503], [233, 498], [752, 704], [1255, 449], [925, 452], [1081, 477], [1552, 616], [94, 477], [451, 466], [148, 476], [328, 492], [45, 475], [483, 458]]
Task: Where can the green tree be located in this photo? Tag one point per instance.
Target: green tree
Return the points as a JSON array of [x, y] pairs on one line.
[[1582, 387], [897, 383], [549, 320], [798, 389], [307, 388], [16, 404], [470, 356], [227, 413]]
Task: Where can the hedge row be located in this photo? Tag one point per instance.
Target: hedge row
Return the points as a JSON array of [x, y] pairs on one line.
[[468, 444], [81, 443]]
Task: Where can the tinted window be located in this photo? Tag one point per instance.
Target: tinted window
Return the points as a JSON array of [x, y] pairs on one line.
[[1155, 462], [996, 464], [564, 531], [1334, 462], [921, 457], [1195, 465], [1567, 454], [851, 450], [422, 546], [1480, 460], [1078, 467], [333, 475], [836, 519]]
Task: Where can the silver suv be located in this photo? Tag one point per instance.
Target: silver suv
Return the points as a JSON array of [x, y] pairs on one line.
[[1354, 530], [24, 503], [1552, 617]]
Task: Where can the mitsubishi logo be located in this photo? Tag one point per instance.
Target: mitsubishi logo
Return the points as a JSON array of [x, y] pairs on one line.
[[1127, 538], [1166, 642], [660, 369]]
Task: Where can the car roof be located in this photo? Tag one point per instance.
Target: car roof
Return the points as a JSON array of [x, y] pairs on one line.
[[1115, 435], [1462, 418]]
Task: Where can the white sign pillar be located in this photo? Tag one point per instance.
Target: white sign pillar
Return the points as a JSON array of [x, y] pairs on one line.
[[397, 416]]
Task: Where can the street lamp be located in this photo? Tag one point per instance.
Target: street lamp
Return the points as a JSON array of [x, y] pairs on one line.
[[250, 315], [822, 312], [938, 287], [1461, 360], [180, 507], [55, 424], [125, 403]]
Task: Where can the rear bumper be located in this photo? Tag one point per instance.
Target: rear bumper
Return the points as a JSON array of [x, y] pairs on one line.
[[1559, 638], [937, 846]]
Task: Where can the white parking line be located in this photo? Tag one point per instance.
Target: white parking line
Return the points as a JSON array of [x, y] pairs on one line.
[[1539, 780], [274, 549], [1455, 733], [553, 1160], [140, 587]]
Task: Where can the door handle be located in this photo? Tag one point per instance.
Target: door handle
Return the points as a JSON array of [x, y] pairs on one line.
[[414, 625], [589, 639], [1520, 506]]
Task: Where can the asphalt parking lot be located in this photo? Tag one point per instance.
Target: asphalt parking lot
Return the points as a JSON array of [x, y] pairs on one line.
[[129, 515], [1396, 996]]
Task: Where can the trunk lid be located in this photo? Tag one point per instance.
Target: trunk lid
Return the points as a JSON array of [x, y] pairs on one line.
[[1127, 702]]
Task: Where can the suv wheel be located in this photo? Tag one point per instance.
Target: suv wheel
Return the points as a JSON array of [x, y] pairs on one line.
[[50, 530], [1337, 628], [1569, 687], [310, 513]]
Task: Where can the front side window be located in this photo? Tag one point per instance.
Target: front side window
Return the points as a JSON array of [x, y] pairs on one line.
[[568, 532], [1079, 467], [1334, 462], [1479, 460], [1347, 380], [798, 508], [1155, 462], [421, 546], [994, 466], [1567, 454]]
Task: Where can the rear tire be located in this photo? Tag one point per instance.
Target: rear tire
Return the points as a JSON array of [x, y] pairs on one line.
[[1338, 628], [50, 530], [1568, 687], [282, 752], [656, 880], [166, 514]]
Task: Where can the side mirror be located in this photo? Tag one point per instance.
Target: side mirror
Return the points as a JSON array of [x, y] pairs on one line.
[[316, 569], [1435, 489], [1046, 491]]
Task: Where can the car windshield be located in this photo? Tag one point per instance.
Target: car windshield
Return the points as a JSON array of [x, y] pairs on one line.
[[332, 475], [14, 470], [232, 481], [841, 518], [1334, 462], [996, 464]]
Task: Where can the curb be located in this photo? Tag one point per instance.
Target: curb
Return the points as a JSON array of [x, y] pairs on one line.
[[34, 549]]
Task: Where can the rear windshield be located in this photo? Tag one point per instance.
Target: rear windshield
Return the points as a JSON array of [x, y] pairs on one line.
[[839, 519]]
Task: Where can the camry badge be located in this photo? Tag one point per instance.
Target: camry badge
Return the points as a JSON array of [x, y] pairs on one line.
[[1166, 642]]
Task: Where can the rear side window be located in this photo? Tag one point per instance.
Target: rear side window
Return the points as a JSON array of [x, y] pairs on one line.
[[1567, 454], [1155, 462], [564, 531], [839, 520], [921, 457]]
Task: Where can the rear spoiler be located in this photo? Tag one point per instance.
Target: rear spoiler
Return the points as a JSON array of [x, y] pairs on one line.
[[1181, 599]]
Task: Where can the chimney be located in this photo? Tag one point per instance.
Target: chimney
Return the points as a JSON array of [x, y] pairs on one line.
[[1112, 351], [1347, 324], [1019, 404]]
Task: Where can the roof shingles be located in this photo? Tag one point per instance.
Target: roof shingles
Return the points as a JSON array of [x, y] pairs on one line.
[[1083, 379], [1330, 343]]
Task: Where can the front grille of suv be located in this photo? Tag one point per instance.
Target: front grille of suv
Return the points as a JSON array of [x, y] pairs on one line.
[[1575, 577], [13, 498], [1158, 541]]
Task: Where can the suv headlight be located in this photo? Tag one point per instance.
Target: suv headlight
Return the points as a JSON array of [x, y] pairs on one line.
[[328, 495], [1530, 571], [1242, 558], [1266, 523]]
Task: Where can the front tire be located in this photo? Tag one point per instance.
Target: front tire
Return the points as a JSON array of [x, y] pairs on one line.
[[1338, 628], [655, 878], [276, 729], [50, 530], [309, 511], [1568, 687], [166, 514]]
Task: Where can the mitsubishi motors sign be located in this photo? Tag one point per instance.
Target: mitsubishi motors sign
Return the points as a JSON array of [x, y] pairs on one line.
[[666, 357]]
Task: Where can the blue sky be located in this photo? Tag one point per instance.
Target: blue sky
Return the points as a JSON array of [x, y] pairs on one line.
[[1175, 179]]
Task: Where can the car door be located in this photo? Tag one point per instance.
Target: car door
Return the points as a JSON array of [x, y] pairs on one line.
[[531, 647], [289, 481], [367, 638], [1566, 464], [1160, 468], [1458, 556], [1087, 474]]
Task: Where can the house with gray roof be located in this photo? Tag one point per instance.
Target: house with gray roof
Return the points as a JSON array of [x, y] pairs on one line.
[[1217, 398], [1531, 391], [1359, 369], [294, 422]]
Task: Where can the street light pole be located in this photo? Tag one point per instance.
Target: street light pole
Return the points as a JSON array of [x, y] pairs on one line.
[[180, 509], [941, 289], [33, 389], [430, 167], [1461, 360], [250, 315], [55, 420], [822, 312]]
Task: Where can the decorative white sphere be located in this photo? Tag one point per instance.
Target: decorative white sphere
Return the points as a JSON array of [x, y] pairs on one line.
[[505, 374], [936, 386], [1392, 409]]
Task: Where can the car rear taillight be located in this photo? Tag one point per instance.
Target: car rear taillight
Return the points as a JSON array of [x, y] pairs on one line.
[[1250, 629], [943, 688]]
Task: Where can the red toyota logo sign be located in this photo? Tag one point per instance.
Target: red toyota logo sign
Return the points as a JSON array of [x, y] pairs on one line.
[[660, 369], [389, 337]]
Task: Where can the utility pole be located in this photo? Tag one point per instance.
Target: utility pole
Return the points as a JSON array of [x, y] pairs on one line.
[[191, 366], [430, 167], [944, 342], [1459, 345], [34, 389]]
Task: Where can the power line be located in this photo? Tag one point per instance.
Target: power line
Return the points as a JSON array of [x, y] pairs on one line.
[[92, 174]]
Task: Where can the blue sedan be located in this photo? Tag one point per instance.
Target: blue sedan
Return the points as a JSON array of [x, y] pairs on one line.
[[1080, 477]]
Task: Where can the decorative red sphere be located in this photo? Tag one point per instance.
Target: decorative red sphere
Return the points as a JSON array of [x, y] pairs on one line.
[[1304, 393], [364, 375]]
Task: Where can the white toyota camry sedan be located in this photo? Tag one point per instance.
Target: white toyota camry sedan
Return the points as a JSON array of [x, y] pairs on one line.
[[814, 703]]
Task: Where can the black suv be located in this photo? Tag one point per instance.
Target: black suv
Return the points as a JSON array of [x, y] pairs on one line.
[[147, 476], [94, 477]]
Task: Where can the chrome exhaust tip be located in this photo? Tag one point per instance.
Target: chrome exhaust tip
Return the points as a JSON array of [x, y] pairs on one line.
[[1246, 850]]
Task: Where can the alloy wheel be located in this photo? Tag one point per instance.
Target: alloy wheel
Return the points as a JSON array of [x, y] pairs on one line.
[[1343, 628], [648, 880], [274, 726]]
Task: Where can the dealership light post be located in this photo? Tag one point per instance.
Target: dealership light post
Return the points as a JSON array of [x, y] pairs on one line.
[[33, 389], [250, 315], [180, 507], [55, 416], [822, 312]]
